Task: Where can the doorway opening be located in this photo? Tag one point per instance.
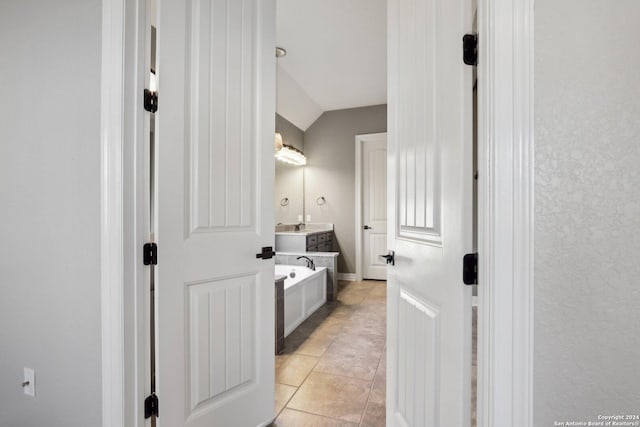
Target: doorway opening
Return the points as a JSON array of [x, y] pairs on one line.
[[331, 89]]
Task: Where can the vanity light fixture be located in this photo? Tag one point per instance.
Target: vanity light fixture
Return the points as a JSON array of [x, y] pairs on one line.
[[291, 155], [278, 142]]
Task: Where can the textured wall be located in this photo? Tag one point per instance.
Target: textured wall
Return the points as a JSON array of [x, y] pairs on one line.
[[289, 180], [50, 215], [330, 147], [587, 255]]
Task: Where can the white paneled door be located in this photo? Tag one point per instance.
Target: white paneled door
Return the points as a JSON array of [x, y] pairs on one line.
[[374, 206], [430, 214], [216, 84]]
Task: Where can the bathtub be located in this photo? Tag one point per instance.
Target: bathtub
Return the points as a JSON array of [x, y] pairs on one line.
[[303, 294]]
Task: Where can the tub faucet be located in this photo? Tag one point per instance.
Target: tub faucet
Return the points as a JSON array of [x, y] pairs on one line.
[[309, 261]]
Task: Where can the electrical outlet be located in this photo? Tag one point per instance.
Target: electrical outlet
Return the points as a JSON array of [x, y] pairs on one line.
[[300, 218], [309, 218], [29, 382]]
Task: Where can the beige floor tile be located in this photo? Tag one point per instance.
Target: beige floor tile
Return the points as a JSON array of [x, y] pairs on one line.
[[293, 418], [379, 387], [374, 299], [352, 297], [376, 311], [360, 326], [349, 361], [330, 395], [292, 369], [379, 291], [371, 343], [374, 415], [283, 394], [312, 346], [313, 342], [341, 312]]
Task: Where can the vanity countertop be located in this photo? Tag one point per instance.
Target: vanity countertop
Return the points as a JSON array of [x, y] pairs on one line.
[[279, 277], [308, 229], [301, 233]]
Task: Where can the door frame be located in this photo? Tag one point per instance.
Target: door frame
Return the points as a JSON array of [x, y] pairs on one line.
[[505, 223], [122, 125], [505, 212], [111, 212], [360, 141]]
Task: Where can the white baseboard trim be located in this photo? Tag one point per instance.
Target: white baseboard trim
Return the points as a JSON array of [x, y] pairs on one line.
[[350, 277]]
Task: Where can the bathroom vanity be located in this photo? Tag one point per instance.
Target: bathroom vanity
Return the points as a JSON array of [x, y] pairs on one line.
[[316, 238], [304, 241]]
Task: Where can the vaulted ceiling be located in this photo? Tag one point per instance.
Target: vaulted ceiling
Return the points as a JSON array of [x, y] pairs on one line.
[[336, 56]]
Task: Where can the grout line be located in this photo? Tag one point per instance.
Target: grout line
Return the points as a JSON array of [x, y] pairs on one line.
[[366, 406], [288, 400], [323, 416]]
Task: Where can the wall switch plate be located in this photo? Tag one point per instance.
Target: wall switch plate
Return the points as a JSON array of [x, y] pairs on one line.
[[309, 218], [300, 218], [29, 382]]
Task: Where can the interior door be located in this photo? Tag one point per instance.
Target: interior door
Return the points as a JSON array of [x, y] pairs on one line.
[[374, 206], [430, 213], [216, 114]]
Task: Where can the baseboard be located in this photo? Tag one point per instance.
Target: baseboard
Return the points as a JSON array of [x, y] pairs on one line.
[[350, 277]]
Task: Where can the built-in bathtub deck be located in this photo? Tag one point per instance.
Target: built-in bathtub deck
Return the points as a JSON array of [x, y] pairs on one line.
[[304, 293]]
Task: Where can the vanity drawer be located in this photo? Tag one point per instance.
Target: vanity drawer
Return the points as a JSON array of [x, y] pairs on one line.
[[312, 240], [322, 237], [324, 247]]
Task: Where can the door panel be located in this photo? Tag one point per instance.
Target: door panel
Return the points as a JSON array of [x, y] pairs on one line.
[[374, 212], [220, 117], [430, 207], [216, 83], [217, 310]]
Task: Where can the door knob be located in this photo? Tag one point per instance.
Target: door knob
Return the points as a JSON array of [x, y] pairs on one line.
[[366, 227], [390, 257]]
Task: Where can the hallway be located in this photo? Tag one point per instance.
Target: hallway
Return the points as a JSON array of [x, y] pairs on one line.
[[333, 368]]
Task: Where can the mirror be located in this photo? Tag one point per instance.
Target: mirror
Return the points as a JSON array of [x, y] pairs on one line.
[[289, 179]]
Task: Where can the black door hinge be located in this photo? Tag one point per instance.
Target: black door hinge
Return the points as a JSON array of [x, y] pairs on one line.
[[470, 269], [150, 101], [470, 49], [150, 254], [151, 406]]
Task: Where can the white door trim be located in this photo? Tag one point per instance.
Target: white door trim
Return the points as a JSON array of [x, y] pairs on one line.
[[506, 213], [111, 215], [360, 140]]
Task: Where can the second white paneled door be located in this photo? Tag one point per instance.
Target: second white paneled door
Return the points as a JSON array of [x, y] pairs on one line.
[[430, 173], [216, 83], [374, 205]]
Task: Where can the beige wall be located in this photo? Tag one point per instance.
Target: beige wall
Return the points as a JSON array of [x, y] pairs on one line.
[[587, 236], [50, 215], [329, 144]]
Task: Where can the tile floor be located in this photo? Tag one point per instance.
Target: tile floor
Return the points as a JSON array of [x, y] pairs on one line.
[[332, 369]]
